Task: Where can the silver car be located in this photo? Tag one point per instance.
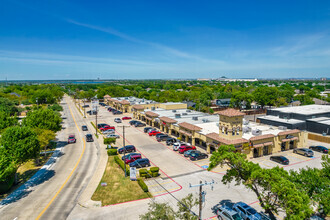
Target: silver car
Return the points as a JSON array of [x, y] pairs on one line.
[[224, 212], [304, 151], [117, 120], [112, 136], [110, 131]]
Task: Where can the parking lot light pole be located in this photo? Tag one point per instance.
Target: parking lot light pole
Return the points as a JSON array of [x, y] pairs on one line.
[[123, 126]]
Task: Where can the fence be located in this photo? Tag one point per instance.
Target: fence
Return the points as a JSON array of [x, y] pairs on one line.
[[316, 137]]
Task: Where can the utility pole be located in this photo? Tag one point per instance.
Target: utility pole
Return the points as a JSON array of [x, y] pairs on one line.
[[84, 109], [202, 194], [123, 126], [96, 120]]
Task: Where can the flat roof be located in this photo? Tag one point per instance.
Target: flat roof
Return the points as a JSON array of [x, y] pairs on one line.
[[325, 122], [318, 119], [282, 120], [135, 101], [305, 109], [172, 103]]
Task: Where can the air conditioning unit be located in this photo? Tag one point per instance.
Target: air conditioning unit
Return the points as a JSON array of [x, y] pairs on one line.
[[256, 132], [282, 128], [184, 113], [173, 110], [152, 108], [245, 122], [246, 129], [177, 116], [205, 120], [195, 118], [188, 110]]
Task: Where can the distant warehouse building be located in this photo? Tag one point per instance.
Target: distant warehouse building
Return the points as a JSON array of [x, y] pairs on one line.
[[313, 118]]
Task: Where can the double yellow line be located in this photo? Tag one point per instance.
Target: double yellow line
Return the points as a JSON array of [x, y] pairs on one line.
[[67, 179]]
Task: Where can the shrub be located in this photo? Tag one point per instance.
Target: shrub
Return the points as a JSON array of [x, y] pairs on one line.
[[122, 164], [149, 174], [154, 169], [154, 174], [112, 152], [143, 172], [142, 184], [109, 140]]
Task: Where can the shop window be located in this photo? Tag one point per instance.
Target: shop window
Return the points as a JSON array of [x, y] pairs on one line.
[[237, 131]]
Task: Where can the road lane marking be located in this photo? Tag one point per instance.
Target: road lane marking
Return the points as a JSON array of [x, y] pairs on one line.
[[67, 179]]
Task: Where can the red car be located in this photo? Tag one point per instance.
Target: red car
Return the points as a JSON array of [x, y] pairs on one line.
[[153, 133], [126, 118], [71, 139], [107, 127], [132, 158], [184, 148]]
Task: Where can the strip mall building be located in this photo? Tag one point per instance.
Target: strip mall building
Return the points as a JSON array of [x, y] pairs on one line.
[[210, 131]]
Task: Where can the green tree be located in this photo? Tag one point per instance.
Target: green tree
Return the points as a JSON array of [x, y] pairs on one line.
[[266, 96], [43, 118], [20, 144], [7, 106], [6, 120], [271, 186], [185, 205]]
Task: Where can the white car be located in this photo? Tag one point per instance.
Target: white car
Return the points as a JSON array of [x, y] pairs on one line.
[[118, 120], [177, 145], [110, 131], [112, 136]]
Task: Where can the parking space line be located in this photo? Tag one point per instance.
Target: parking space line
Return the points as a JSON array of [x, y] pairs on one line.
[[161, 183], [162, 191]]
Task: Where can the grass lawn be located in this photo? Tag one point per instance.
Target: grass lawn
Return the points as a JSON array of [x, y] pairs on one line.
[[119, 189], [25, 172]]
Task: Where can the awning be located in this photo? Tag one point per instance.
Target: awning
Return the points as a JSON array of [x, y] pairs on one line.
[[268, 143], [148, 118], [185, 133], [295, 138], [258, 145], [285, 140]]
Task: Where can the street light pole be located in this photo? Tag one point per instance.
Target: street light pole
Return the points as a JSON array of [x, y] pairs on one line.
[[84, 109], [96, 121], [123, 126]]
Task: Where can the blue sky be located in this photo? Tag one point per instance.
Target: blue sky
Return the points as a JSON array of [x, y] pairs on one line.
[[82, 39]]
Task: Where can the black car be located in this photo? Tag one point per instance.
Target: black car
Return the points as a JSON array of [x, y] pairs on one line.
[[139, 124], [198, 155], [84, 128], [143, 162], [162, 137], [319, 149], [101, 125], [85, 106], [127, 149], [132, 122], [128, 155], [280, 159], [170, 141], [146, 129], [89, 138], [91, 112], [159, 134]]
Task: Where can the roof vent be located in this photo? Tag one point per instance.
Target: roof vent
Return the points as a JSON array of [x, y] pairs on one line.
[[256, 132], [195, 118], [173, 110], [205, 120], [177, 116], [282, 128]]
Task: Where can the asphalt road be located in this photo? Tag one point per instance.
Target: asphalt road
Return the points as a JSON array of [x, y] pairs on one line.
[[55, 194]]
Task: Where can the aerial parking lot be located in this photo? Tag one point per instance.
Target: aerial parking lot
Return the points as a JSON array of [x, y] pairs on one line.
[[178, 171]]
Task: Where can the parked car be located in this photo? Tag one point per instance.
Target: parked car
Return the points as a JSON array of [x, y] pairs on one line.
[[89, 138], [227, 213], [144, 162], [321, 149], [126, 118], [177, 145], [107, 127], [280, 159], [189, 152], [110, 131], [128, 155], [146, 129], [101, 125], [139, 124], [184, 148], [132, 122], [71, 139], [116, 112], [170, 141], [159, 134], [246, 212], [153, 133], [304, 151], [127, 149], [112, 136], [197, 156], [85, 106], [92, 112], [132, 158], [84, 128], [117, 120], [162, 137]]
